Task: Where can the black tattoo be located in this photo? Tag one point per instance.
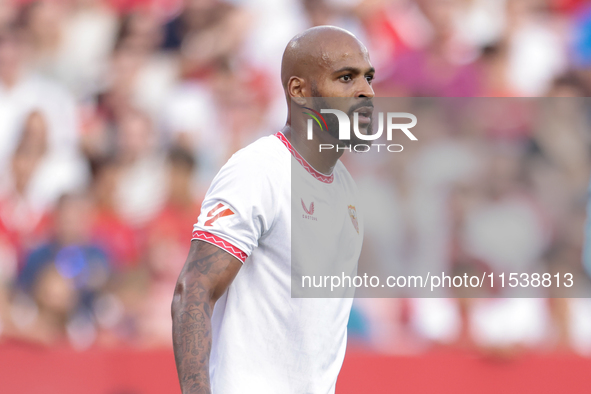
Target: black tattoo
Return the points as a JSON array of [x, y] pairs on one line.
[[206, 275]]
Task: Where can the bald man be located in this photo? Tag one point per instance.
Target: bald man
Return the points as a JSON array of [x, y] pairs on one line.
[[236, 328]]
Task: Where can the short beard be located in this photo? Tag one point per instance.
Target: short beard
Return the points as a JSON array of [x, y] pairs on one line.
[[332, 122]]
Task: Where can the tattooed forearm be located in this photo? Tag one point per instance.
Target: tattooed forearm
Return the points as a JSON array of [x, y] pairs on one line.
[[192, 344], [206, 275]]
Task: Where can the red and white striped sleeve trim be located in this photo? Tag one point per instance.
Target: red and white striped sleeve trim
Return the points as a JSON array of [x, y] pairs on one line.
[[217, 241]]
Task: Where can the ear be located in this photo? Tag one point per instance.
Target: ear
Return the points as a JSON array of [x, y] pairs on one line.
[[296, 90]]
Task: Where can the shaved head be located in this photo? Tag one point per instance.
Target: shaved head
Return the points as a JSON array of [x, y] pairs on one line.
[[327, 67], [315, 51]]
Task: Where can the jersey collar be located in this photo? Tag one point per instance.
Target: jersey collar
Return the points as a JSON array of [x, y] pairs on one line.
[[318, 175]]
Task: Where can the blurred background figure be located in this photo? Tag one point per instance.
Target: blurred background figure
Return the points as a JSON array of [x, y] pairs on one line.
[[141, 186], [60, 279], [23, 91], [110, 230], [166, 247], [207, 33]]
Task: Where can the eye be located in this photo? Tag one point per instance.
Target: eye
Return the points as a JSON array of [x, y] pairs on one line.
[[346, 78], [369, 78]]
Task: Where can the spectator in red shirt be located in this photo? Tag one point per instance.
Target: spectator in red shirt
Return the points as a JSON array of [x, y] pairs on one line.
[[109, 230], [168, 241]]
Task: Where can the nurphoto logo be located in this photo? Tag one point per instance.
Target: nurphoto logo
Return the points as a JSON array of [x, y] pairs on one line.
[[392, 123]]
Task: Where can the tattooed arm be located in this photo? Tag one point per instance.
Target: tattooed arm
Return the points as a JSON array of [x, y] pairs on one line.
[[206, 275]]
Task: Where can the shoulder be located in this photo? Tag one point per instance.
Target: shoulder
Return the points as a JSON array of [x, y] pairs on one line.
[[266, 157], [263, 150]]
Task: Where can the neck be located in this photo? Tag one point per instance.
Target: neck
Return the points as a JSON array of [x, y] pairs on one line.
[[309, 149]]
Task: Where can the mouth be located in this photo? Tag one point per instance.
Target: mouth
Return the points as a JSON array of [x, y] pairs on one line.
[[365, 114]]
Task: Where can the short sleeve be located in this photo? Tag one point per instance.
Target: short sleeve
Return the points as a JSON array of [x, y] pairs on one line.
[[238, 207]]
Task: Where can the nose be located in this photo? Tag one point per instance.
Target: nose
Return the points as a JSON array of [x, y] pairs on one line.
[[366, 90]]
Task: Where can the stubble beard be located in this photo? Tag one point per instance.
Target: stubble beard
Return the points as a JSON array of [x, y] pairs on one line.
[[332, 123]]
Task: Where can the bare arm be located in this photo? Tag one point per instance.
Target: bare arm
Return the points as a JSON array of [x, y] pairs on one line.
[[206, 275]]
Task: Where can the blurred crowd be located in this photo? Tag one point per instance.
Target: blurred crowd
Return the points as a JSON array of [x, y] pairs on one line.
[[493, 186], [116, 114]]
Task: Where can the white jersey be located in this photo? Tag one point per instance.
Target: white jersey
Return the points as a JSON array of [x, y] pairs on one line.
[[264, 341]]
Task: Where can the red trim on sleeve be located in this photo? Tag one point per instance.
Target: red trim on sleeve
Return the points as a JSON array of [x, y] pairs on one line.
[[217, 241], [318, 175]]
